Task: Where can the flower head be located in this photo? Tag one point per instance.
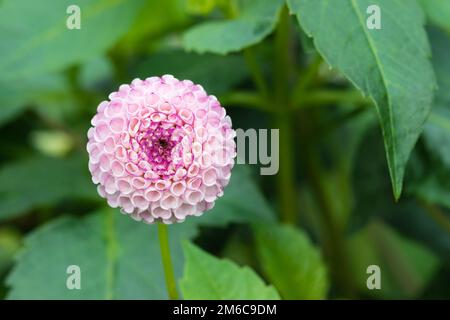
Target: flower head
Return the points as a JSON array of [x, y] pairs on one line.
[[161, 149]]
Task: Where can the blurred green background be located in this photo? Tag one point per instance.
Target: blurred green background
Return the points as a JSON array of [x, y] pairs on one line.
[[311, 231]]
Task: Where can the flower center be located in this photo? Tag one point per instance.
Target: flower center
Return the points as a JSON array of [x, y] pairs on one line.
[[159, 151]]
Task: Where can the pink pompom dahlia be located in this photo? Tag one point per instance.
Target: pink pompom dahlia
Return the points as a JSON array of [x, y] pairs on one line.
[[161, 149]]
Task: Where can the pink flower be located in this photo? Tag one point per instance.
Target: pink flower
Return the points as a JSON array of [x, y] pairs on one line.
[[161, 149]]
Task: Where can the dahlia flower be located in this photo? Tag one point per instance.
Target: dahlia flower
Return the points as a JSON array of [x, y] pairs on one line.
[[161, 149]]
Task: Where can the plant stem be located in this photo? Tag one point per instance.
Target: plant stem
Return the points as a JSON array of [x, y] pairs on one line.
[[306, 78], [324, 97], [255, 71], [167, 261], [246, 99], [332, 235], [283, 121]]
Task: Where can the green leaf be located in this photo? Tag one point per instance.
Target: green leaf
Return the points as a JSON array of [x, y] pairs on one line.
[[207, 277], [217, 74], [15, 96], [256, 20], [291, 262], [438, 12], [36, 40], [94, 72], [116, 254], [390, 65], [43, 181], [155, 19], [119, 258], [233, 208]]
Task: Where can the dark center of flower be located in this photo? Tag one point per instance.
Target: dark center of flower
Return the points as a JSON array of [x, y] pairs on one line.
[[160, 148], [163, 143]]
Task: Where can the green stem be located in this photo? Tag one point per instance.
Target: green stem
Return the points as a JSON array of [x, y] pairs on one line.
[[246, 99], [283, 121], [255, 71], [306, 78], [167, 261], [332, 235], [324, 97]]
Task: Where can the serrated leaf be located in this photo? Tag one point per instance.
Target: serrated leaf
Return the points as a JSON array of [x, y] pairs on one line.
[[42, 43], [42, 181], [438, 12], [291, 262], [207, 277], [390, 65], [256, 20], [216, 74], [118, 258]]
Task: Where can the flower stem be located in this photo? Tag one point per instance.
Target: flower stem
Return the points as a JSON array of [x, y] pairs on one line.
[[256, 72], [167, 261], [283, 121]]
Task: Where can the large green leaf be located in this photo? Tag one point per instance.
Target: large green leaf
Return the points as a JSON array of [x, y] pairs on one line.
[[155, 19], [119, 258], [256, 20], [35, 38], [390, 65], [115, 253], [42, 181], [291, 262], [207, 277], [15, 96], [438, 11], [216, 74]]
